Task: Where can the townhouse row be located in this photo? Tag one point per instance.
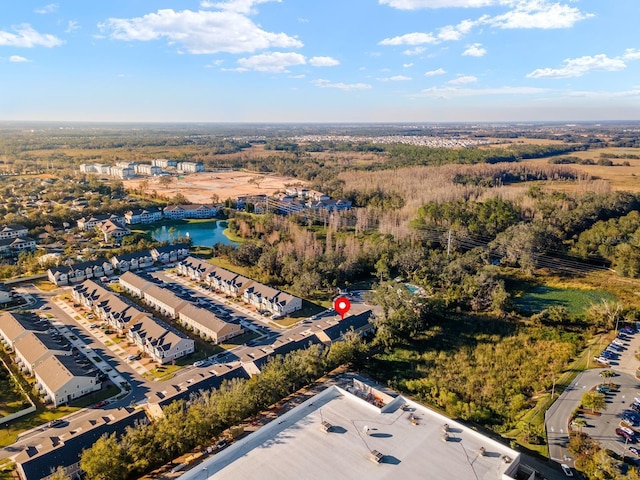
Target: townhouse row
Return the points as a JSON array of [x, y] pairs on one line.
[[201, 321], [59, 378], [148, 215], [254, 293], [79, 272], [152, 336]]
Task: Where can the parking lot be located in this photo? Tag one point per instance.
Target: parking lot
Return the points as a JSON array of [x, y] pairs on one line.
[[625, 387]]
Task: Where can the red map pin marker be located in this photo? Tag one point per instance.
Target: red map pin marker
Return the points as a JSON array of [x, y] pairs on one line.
[[342, 305]]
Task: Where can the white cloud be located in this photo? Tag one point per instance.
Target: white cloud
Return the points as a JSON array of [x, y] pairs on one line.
[[49, 8], [27, 37], [463, 80], [456, 32], [297, 76], [395, 78], [275, 62], [449, 92], [475, 50], [538, 14], [631, 54], [577, 67], [323, 61], [200, 32], [415, 38], [18, 59], [418, 4], [432, 73], [238, 6], [407, 65], [72, 25], [322, 83], [414, 51]]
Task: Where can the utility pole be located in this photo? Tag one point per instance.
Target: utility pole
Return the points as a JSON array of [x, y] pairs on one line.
[[449, 244]]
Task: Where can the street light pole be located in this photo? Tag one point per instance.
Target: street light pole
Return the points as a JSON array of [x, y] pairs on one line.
[[206, 472]]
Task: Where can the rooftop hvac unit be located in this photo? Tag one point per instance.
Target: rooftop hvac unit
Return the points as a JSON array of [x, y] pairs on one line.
[[481, 451], [375, 456], [326, 426], [445, 437], [445, 427]]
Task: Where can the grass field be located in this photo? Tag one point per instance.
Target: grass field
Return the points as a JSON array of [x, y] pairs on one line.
[[573, 299]]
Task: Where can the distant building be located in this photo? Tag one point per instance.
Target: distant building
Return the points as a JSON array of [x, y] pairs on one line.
[[13, 231], [143, 215], [79, 272], [11, 247], [147, 169], [170, 253], [122, 172], [89, 223], [113, 231], [132, 261], [190, 167], [178, 212], [164, 163]]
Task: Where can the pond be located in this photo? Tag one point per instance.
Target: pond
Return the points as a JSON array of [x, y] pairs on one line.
[[204, 234]]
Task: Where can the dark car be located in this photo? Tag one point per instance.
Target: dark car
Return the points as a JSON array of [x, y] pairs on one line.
[[100, 404], [625, 435], [631, 418], [635, 407]]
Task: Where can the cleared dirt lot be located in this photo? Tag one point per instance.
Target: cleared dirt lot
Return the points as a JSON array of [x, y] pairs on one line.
[[200, 187]]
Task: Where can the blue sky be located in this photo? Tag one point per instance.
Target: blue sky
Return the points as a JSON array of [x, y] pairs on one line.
[[319, 60]]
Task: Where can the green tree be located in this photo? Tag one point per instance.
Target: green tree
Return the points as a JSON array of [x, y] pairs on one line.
[[594, 401], [579, 423], [105, 460], [608, 375]]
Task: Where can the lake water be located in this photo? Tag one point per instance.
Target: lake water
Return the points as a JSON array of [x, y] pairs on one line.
[[205, 234]]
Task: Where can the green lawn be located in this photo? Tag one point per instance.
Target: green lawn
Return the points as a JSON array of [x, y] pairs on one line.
[[9, 433], [575, 300]]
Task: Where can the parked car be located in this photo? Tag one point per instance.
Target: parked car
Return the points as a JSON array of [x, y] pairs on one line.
[[100, 404], [55, 423], [199, 363], [608, 354], [630, 418], [618, 342], [628, 430], [131, 358], [602, 360], [625, 435], [603, 389], [634, 450], [635, 407], [567, 470]]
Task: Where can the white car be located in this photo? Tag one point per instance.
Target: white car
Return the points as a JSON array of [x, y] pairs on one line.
[[567, 470], [628, 430], [602, 360], [618, 342]]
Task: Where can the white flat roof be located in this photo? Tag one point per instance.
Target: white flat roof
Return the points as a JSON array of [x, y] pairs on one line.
[[294, 446]]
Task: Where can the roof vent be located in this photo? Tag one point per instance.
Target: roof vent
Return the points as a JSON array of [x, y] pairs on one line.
[[375, 456], [326, 426], [481, 451]]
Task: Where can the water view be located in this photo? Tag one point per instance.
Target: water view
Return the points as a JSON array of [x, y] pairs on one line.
[[204, 234]]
